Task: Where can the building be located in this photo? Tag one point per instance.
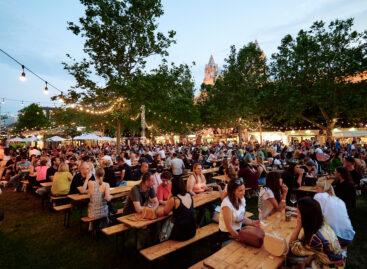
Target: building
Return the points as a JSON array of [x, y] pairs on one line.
[[211, 72]]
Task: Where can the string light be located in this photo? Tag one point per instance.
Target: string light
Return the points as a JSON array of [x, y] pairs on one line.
[[22, 75], [46, 89]]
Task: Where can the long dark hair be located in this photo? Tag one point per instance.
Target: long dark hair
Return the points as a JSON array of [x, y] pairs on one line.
[[233, 184], [343, 173], [272, 182], [178, 187], [312, 218]]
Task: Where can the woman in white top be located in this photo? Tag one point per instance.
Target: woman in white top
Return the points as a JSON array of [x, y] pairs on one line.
[[272, 196], [233, 209], [335, 212]]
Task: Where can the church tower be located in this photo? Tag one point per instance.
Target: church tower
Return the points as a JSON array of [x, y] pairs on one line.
[[211, 72]]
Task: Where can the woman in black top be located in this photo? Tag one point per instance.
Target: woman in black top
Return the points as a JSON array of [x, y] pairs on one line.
[[181, 205], [344, 188]]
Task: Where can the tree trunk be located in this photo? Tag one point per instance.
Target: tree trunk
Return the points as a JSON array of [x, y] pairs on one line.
[[198, 138], [118, 137], [329, 130], [240, 135], [261, 132]]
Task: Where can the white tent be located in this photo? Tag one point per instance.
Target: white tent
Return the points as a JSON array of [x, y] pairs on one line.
[[106, 138], [55, 139], [16, 139], [31, 139], [87, 137]]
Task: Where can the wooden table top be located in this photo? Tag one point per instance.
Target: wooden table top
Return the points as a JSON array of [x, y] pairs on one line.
[[312, 188], [237, 255], [221, 178], [46, 184], [115, 192], [133, 220]]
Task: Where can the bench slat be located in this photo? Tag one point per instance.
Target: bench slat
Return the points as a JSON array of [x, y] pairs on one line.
[[62, 207], [169, 246], [115, 229]]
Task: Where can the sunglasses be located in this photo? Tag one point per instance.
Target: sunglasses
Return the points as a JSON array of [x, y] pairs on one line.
[[238, 181]]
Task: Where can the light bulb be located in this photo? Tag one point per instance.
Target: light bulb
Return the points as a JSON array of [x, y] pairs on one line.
[[46, 89], [22, 75]]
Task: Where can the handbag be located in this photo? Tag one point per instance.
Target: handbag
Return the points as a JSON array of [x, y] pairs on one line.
[[148, 213], [252, 236], [275, 245], [166, 230]]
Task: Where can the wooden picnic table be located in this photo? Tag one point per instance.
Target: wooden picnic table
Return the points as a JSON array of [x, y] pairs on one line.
[[208, 171], [134, 221], [312, 188], [237, 255], [222, 178], [46, 184], [115, 192]]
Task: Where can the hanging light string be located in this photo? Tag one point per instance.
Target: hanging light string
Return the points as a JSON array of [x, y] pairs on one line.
[[30, 71]]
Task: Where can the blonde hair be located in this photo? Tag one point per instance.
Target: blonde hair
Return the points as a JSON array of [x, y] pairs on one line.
[[63, 167], [325, 186], [100, 175]]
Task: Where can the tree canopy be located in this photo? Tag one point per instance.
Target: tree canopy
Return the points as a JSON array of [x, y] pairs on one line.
[[312, 72], [31, 117]]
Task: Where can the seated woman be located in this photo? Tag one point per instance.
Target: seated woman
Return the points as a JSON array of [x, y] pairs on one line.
[[319, 238], [164, 189], [61, 180], [233, 209], [272, 196], [344, 188], [41, 171], [335, 212], [99, 193], [196, 182], [181, 205]]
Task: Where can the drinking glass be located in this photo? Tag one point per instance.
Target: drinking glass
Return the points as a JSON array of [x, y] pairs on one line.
[[293, 199]]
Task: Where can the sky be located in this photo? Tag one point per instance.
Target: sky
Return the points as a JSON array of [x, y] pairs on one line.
[[34, 32]]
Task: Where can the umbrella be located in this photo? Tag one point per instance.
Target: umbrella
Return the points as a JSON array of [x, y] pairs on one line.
[[16, 139], [31, 139], [56, 139], [87, 137], [106, 138]]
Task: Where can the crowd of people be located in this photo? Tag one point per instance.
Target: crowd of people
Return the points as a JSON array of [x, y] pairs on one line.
[[159, 176]]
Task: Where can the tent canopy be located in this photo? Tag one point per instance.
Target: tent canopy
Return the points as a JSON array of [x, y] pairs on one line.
[[16, 139], [56, 139], [31, 139], [87, 137]]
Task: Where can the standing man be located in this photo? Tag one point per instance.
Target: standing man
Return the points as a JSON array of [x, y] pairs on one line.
[[177, 166]]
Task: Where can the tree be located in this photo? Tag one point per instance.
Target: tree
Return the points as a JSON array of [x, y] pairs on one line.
[[119, 37], [167, 94], [236, 95], [31, 117], [312, 75]]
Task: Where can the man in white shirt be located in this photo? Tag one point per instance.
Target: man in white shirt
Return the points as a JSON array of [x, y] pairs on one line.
[[177, 166]]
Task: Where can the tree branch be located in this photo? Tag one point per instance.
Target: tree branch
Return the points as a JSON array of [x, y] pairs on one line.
[[312, 122]]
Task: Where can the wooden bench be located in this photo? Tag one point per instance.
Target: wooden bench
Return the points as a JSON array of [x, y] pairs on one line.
[[115, 230], [169, 246], [66, 209], [53, 199]]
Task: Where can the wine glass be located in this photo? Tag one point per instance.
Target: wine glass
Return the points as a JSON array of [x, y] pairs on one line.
[[293, 199]]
